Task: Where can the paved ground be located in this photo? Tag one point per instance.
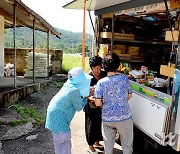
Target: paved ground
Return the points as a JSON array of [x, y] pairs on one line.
[[79, 144], [43, 144]]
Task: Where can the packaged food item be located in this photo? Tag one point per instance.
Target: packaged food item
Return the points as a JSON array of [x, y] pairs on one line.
[[160, 82], [144, 71], [135, 87], [151, 94], [166, 100], [150, 78]]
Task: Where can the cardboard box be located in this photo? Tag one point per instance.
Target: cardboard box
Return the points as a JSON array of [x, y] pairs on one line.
[[167, 71], [169, 34], [105, 34], [117, 36], [118, 52], [120, 49], [125, 55], [132, 50]]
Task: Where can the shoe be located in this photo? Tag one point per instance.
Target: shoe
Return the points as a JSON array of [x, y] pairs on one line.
[[91, 152], [98, 146]]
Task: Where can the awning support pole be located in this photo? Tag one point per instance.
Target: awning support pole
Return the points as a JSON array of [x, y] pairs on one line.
[[112, 37], [168, 14], [96, 40], [84, 35], [48, 54], [34, 50], [91, 21], [14, 11]]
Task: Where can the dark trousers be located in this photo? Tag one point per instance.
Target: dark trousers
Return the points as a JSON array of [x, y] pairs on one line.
[[93, 126]]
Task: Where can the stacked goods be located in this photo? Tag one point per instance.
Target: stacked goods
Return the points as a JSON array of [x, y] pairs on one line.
[[119, 49], [120, 36], [40, 65], [132, 50]]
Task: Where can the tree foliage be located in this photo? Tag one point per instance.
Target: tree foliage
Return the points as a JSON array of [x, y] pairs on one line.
[[79, 48]]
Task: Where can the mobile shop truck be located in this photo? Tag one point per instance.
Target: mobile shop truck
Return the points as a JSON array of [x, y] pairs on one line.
[[145, 35]]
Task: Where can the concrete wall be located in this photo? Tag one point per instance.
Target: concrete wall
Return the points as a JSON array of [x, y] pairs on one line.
[[56, 59], [14, 95], [1, 46]]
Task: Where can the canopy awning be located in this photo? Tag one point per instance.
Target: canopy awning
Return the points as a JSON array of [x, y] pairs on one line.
[[108, 6], [92, 5], [24, 17]]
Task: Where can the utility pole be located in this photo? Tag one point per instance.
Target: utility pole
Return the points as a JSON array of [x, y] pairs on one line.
[[84, 35]]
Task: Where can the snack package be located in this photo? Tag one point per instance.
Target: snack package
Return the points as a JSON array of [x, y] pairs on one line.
[[144, 71]]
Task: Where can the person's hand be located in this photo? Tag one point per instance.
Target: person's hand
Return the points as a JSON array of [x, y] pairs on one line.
[[91, 99], [91, 91], [129, 96]]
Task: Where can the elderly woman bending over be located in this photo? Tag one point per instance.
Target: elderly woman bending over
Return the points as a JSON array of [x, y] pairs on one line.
[[62, 108]]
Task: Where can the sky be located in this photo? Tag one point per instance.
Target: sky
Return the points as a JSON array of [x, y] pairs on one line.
[[53, 12]]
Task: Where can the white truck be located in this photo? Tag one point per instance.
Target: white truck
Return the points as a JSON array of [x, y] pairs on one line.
[[144, 33]]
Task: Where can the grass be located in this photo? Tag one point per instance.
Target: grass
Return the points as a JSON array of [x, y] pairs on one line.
[[59, 84], [71, 61], [17, 122], [26, 112]]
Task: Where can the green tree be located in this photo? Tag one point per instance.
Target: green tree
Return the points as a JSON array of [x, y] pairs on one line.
[[79, 48]]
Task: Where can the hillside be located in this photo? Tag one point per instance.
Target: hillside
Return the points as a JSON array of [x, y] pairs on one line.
[[69, 40]]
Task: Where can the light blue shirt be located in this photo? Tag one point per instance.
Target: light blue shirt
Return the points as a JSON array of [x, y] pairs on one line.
[[62, 108], [114, 90]]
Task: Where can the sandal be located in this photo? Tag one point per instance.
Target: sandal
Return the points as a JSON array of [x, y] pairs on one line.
[[91, 152], [98, 146]]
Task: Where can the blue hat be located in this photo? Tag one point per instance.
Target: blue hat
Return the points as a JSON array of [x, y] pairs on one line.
[[79, 79]]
